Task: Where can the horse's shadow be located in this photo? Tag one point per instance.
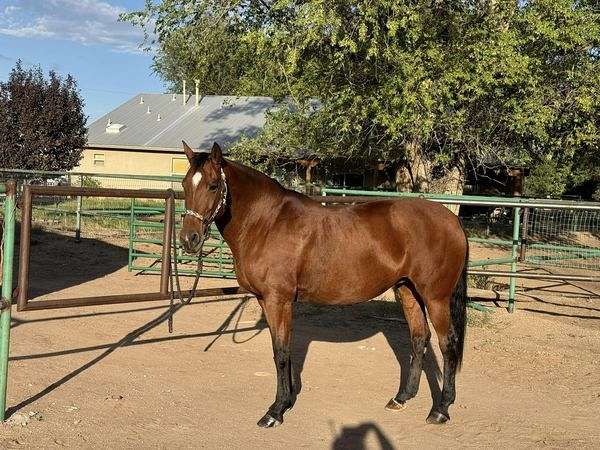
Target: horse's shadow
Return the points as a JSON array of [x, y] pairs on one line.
[[354, 437], [311, 323], [353, 324]]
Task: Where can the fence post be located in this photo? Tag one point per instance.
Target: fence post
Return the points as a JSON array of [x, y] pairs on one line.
[[524, 235], [512, 287], [78, 214], [8, 242], [131, 234], [78, 220], [165, 269]]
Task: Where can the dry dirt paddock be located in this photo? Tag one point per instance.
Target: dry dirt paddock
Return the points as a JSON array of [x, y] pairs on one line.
[[113, 377]]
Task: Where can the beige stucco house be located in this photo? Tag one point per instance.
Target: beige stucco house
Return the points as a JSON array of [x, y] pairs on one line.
[[143, 136]]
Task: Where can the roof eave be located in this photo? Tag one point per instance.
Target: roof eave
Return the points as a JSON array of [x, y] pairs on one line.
[[98, 145]]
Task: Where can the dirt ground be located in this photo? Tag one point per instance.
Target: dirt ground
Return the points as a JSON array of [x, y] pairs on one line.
[[113, 377]]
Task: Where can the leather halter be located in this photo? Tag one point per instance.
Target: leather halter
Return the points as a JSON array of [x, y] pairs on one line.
[[218, 208]]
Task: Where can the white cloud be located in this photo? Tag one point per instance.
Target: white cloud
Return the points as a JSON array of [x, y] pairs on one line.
[[85, 21], [11, 9]]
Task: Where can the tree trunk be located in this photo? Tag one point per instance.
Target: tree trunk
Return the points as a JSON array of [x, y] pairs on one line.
[[415, 174], [403, 179], [453, 183]]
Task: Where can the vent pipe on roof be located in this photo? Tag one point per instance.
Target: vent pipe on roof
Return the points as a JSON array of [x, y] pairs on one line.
[[183, 98], [158, 118], [109, 123], [197, 94], [174, 97], [148, 110], [142, 100]]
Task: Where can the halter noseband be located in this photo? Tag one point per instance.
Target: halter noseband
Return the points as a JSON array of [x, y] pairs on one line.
[[220, 205]]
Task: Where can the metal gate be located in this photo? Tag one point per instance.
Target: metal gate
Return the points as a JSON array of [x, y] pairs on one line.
[[146, 230]]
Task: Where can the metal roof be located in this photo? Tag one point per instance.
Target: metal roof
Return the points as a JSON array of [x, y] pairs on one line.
[[217, 118]]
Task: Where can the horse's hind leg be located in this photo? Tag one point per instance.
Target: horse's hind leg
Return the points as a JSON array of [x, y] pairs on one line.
[[419, 336], [439, 312], [278, 312]]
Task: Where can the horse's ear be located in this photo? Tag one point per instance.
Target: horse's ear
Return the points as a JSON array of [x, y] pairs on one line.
[[216, 155], [188, 151]]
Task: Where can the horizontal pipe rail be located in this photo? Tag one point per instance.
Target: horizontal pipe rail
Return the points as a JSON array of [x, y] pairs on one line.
[[209, 274], [129, 298], [464, 200], [537, 276], [64, 191], [491, 261], [55, 174], [183, 259], [562, 248], [502, 242]]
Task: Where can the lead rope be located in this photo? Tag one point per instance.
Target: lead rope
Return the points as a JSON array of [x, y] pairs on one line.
[[175, 273]]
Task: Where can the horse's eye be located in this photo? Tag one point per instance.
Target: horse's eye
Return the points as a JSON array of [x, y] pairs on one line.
[[212, 187]]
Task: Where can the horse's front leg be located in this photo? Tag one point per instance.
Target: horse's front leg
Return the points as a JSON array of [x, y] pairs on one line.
[[278, 312]]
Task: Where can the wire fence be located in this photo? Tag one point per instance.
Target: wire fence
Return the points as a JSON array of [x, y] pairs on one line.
[[561, 238]]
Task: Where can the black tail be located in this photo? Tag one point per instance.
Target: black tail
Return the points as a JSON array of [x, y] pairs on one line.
[[458, 312]]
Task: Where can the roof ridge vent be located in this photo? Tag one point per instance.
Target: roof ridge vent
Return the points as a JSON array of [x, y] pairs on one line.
[[114, 128]]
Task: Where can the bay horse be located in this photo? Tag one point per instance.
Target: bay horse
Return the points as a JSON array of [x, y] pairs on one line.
[[288, 247]]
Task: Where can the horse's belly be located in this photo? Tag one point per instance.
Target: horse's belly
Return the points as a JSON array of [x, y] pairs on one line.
[[340, 284]]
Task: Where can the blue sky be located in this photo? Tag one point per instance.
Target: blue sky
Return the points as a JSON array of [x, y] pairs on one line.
[[83, 38]]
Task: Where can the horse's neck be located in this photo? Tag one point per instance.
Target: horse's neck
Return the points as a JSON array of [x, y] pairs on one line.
[[253, 199]]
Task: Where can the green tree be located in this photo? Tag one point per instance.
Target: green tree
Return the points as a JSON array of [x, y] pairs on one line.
[[42, 125], [430, 87], [218, 42]]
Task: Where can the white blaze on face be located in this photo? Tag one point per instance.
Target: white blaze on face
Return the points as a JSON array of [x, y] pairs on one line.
[[196, 179]]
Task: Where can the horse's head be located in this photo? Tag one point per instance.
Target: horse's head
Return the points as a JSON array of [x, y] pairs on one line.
[[205, 190]]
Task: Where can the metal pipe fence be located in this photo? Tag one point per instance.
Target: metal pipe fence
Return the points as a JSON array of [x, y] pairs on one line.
[[533, 232], [30, 192]]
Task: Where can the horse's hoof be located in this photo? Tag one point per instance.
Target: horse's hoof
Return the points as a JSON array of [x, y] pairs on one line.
[[437, 418], [268, 421], [394, 405]]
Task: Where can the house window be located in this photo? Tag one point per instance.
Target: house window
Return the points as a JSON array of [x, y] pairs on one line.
[[179, 166], [98, 159]]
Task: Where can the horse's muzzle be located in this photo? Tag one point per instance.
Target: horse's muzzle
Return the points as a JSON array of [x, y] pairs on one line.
[[191, 241]]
